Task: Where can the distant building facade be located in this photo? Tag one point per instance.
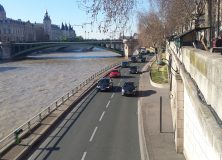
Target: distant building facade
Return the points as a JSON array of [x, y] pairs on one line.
[[19, 31]]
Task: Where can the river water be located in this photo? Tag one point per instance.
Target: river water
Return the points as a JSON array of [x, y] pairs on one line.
[[28, 86]]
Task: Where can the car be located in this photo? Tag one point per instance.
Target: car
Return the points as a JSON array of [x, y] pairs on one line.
[[133, 70], [125, 64], [141, 59], [128, 88], [133, 59], [114, 73], [142, 50], [105, 84]]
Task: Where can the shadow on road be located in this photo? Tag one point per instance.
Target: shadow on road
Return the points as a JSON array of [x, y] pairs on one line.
[[145, 93]]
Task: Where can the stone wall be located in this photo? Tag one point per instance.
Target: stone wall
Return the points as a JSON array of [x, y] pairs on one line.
[[202, 133]]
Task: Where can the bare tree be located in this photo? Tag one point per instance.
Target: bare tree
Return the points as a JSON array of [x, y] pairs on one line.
[[114, 12]]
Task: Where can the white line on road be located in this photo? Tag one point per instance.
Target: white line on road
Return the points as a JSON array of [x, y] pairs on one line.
[[107, 104], [112, 95], [93, 134], [84, 156], [101, 117]]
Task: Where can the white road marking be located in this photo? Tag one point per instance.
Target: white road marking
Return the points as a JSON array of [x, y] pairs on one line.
[[107, 104], [101, 117], [84, 156], [119, 84], [93, 134], [112, 95]]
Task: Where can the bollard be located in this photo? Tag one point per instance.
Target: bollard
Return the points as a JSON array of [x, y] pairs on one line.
[[16, 133], [161, 114]]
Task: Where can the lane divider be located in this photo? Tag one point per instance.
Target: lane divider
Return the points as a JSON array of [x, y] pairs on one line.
[[107, 104], [93, 134], [84, 156], [101, 117], [112, 95]]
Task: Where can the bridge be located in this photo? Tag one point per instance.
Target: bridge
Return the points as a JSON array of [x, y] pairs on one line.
[[19, 50]]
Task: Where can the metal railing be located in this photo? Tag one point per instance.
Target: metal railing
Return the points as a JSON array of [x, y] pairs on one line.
[[38, 118]]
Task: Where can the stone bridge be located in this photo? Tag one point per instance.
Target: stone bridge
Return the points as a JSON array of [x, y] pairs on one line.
[[19, 50], [196, 87]]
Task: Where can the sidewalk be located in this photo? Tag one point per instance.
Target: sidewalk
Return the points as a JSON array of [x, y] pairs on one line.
[[160, 146]]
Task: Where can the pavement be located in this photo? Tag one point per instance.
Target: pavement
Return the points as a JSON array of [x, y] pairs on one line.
[[159, 141]]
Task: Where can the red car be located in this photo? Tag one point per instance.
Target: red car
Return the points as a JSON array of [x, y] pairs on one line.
[[114, 73]]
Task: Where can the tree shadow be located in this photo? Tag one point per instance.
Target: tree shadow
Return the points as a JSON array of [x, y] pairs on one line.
[[145, 93]]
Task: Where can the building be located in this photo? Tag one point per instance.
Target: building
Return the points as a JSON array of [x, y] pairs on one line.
[[20, 31]]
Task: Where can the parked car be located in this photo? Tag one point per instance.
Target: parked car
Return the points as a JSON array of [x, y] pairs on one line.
[[128, 88], [125, 64], [141, 58], [133, 70], [114, 73], [142, 50], [105, 84], [133, 59]]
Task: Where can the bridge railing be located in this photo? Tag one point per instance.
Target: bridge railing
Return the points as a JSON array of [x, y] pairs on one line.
[[29, 125]]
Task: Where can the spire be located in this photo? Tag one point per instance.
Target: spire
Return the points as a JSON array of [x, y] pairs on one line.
[[70, 27], [66, 27], [63, 27], [47, 16]]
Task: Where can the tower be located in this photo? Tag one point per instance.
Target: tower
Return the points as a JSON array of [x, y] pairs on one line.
[[2, 12], [47, 26]]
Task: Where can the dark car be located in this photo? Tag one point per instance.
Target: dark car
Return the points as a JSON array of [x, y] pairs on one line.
[[133, 70], [105, 84], [128, 88], [141, 59], [125, 64], [133, 59]]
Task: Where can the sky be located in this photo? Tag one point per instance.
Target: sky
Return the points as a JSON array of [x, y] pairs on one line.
[[66, 11]]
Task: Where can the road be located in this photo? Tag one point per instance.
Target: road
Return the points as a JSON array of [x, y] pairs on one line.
[[104, 126]]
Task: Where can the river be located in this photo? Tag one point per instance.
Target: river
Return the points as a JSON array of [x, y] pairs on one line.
[[28, 86]]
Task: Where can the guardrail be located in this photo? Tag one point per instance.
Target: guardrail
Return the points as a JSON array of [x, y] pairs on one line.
[[37, 119]]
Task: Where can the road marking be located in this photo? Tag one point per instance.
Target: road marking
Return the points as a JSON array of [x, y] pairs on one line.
[[101, 117], [84, 156], [107, 104], [93, 134], [112, 95], [119, 84]]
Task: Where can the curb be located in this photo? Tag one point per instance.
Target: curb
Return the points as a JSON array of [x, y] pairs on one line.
[[142, 139], [158, 85]]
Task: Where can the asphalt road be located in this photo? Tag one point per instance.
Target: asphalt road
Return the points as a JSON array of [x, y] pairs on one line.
[[104, 126]]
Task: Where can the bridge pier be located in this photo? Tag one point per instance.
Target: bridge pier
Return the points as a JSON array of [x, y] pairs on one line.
[[5, 51], [130, 46]]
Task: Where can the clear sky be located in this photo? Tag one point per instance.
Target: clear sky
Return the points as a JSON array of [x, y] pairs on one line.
[[67, 11]]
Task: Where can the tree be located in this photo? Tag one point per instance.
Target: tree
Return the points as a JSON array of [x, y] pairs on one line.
[[114, 11]]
